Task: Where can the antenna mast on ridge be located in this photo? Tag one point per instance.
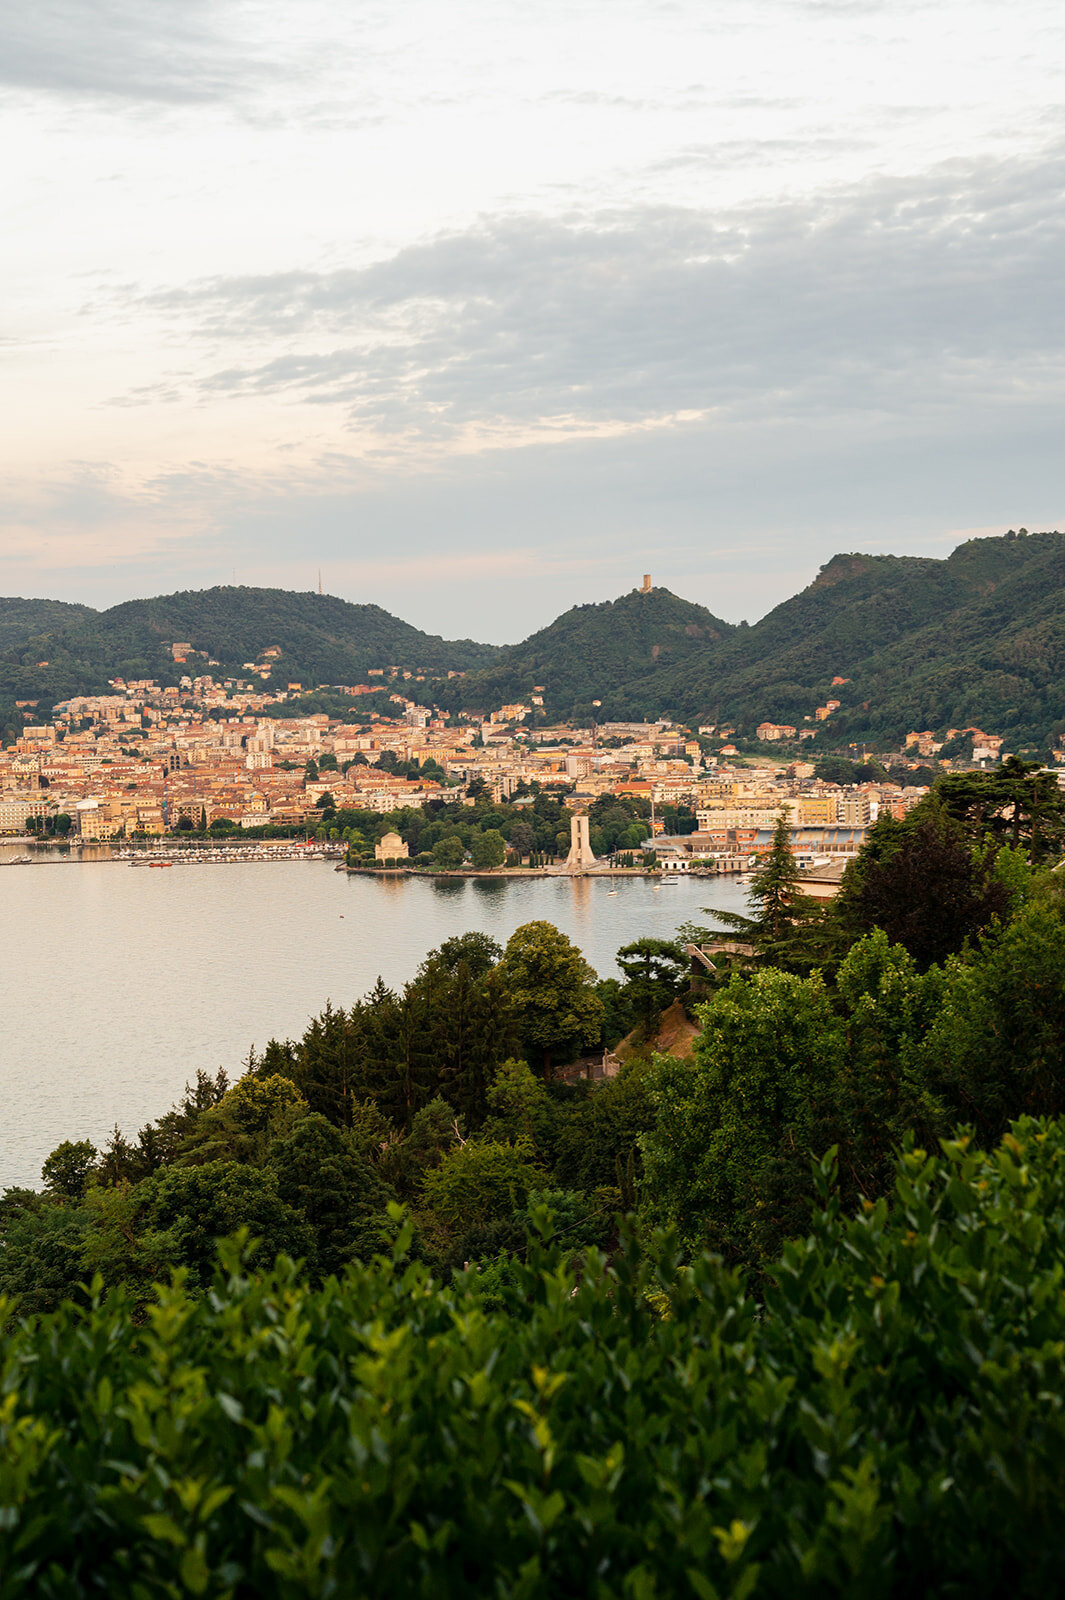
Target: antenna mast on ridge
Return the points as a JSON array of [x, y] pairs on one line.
[[319, 580]]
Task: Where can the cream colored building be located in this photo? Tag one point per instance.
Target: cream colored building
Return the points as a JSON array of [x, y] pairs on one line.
[[95, 821], [391, 848], [763, 816], [15, 810], [855, 811]]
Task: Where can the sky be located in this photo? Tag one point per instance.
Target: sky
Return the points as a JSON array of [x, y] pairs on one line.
[[483, 309]]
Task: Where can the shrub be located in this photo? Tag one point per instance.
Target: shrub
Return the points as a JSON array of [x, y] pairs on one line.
[[890, 1422]]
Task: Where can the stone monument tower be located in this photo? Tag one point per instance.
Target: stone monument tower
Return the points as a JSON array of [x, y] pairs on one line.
[[580, 846]]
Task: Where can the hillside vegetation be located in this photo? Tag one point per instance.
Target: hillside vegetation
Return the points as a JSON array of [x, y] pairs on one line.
[[889, 1423], [23, 620], [975, 639], [321, 639], [595, 652]]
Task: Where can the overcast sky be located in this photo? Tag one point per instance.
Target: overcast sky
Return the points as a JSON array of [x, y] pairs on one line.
[[486, 308]]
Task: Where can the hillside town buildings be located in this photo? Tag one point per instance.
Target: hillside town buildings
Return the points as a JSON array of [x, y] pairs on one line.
[[136, 761]]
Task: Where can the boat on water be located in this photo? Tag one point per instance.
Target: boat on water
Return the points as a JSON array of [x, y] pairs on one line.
[[215, 857], [670, 877]]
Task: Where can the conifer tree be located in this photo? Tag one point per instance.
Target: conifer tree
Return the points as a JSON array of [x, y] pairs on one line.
[[1018, 803], [780, 909], [924, 883]]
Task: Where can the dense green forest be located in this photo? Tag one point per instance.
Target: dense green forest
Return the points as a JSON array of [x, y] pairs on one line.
[[595, 652], [25, 624], [321, 639], [781, 1316], [976, 639], [22, 620]]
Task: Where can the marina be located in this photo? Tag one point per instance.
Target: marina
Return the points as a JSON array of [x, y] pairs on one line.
[[175, 853], [185, 857]]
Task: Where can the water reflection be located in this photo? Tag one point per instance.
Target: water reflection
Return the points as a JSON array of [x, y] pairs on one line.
[[153, 975], [393, 884], [581, 892], [487, 887], [448, 886]]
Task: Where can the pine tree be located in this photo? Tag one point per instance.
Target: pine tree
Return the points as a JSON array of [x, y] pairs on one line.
[[1019, 804], [779, 905]]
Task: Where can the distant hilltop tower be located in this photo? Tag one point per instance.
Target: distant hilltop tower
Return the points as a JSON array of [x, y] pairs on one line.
[[646, 586]]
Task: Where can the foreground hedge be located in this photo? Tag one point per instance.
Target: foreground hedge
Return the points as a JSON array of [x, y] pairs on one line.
[[888, 1423]]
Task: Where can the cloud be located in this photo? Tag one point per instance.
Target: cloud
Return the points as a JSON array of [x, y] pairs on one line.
[[175, 52], [888, 298]]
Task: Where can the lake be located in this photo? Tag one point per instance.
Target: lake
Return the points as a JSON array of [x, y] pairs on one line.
[[117, 983]]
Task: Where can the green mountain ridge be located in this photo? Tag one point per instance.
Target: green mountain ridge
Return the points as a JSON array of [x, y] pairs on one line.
[[592, 651], [322, 639], [21, 620], [970, 639], [975, 638]]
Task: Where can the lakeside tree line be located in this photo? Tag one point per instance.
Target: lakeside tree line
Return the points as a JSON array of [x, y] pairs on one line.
[[532, 826], [443, 1094], [779, 1317]]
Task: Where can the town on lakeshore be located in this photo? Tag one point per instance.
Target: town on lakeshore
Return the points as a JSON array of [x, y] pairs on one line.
[[221, 760]]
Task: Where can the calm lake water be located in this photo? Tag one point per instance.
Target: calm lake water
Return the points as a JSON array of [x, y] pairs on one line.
[[118, 983]]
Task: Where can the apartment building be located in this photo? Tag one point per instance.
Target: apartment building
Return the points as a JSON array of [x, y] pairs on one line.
[[854, 811], [765, 815], [16, 810]]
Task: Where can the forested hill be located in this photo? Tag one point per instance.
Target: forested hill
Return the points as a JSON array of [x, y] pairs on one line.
[[321, 640], [22, 620], [977, 638], [598, 652]]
